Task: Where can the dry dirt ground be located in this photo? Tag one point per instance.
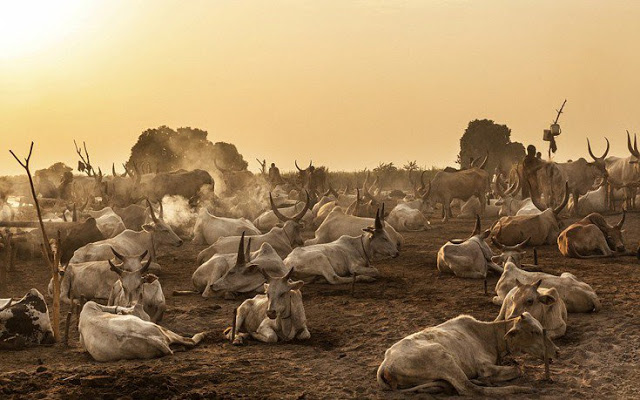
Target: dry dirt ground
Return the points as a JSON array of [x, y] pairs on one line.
[[599, 354]]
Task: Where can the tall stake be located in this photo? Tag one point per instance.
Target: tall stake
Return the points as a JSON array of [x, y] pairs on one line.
[[52, 258]]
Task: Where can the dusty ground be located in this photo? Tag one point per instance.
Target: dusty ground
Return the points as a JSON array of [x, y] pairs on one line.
[[599, 354]]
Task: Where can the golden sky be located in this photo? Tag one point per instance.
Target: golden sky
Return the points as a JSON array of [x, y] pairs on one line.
[[347, 83]]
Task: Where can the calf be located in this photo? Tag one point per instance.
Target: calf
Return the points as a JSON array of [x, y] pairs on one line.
[[451, 354], [577, 296], [592, 237], [545, 305], [276, 315], [346, 258], [134, 285], [110, 333], [25, 323], [470, 258]]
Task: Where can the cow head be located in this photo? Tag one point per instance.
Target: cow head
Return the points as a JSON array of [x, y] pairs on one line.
[[379, 243], [507, 201], [515, 253], [278, 291], [133, 279], [555, 210], [292, 225], [613, 234], [162, 232], [598, 162], [527, 298], [528, 336], [243, 276], [477, 232]]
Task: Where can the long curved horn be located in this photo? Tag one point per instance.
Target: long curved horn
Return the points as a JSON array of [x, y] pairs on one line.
[[477, 227], [427, 192], [240, 259], [624, 215], [143, 255], [161, 210], [153, 215], [484, 162], [565, 200], [516, 187], [301, 214], [118, 255], [522, 244], [275, 210], [496, 243], [296, 163], [145, 268], [633, 151], [591, 152], [498, 186]]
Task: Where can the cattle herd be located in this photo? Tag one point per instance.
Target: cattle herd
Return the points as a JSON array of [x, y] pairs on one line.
[[274, 236]]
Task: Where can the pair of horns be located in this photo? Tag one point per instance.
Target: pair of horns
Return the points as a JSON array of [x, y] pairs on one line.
[[591, 152], [633, 150], [295, 218], [302, 170], [153, 214]]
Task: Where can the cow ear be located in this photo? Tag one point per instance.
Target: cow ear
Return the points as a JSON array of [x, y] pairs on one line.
[[148, 227], [266, 287], [296, 285], [368, 229], [547, 299]]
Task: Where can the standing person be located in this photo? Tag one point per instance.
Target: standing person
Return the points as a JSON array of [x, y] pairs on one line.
[[531, 164], [274, 175]]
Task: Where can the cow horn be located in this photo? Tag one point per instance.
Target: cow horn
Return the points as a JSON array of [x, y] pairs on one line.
[[153, 214], [143, 255], [145, 267], [496, 243], [484, 162], [515, 190], [624, 215], [275, 210], [247, 255], [591, 152], [161, 210], [498, 186], [296, 163], [288, 275], [423, 186], [113, 169], [378, 222], [425, 196], [521, 244], [118, 255], [476, 228], [241, 259], [632, 150], [75, 213], [114, 268], [565, 200], [301, 214]]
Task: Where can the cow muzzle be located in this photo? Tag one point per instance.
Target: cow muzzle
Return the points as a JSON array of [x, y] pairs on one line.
[[271, 314]]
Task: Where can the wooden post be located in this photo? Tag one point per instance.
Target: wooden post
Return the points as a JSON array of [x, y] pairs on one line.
[[52, 258], [535, 256], [485, 286], [547, 370]]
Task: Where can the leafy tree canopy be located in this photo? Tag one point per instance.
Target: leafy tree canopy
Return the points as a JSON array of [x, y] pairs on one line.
[[485, 136]]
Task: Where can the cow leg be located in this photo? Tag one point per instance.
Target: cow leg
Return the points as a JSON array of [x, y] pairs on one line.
[[327, 272], [489, 373], [367, 272], [304, 334], [181, 340], [265, 332]]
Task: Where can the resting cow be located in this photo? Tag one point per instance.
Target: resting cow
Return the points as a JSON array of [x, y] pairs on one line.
[[577, 296], [111, 333], [276, 315], [545, 305], [451, 354], [469, 258], [592, 237], [209, 228], [542, 228], [339, 261], [403, 218], [25, 323]]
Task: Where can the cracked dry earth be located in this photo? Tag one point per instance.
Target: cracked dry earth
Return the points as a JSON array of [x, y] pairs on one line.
[[599, 355]]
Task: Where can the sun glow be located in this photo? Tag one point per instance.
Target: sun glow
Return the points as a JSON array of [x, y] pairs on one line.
[[28, 27]]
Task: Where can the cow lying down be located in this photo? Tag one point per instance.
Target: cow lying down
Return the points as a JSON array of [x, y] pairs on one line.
[[462, 349], [238, 273], [592, 237], [577, 296], [338, 262], [276, 315], [111, 333], [545, 305], [470, 258], [25, 322]]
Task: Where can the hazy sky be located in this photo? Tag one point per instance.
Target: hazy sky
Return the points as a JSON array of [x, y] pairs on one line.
[[347, 83]]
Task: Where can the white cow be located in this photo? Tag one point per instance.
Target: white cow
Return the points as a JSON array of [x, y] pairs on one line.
[[111, 333], [460, 350], [269, 219], [209, 228], [153, 235], [545, 305], [108, 222], [276, 315], [338, 262], [470, 258], [577, 296], [404, 218], [338, 223]]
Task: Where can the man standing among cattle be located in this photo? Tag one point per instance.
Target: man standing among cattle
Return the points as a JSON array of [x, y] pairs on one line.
[[274, 175]]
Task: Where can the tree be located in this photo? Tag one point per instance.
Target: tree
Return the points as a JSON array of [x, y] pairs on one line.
[[484, 137], [163, 149], [410, 166]]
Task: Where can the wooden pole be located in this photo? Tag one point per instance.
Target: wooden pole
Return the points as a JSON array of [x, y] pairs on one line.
[[535, 256], [233, 326]]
